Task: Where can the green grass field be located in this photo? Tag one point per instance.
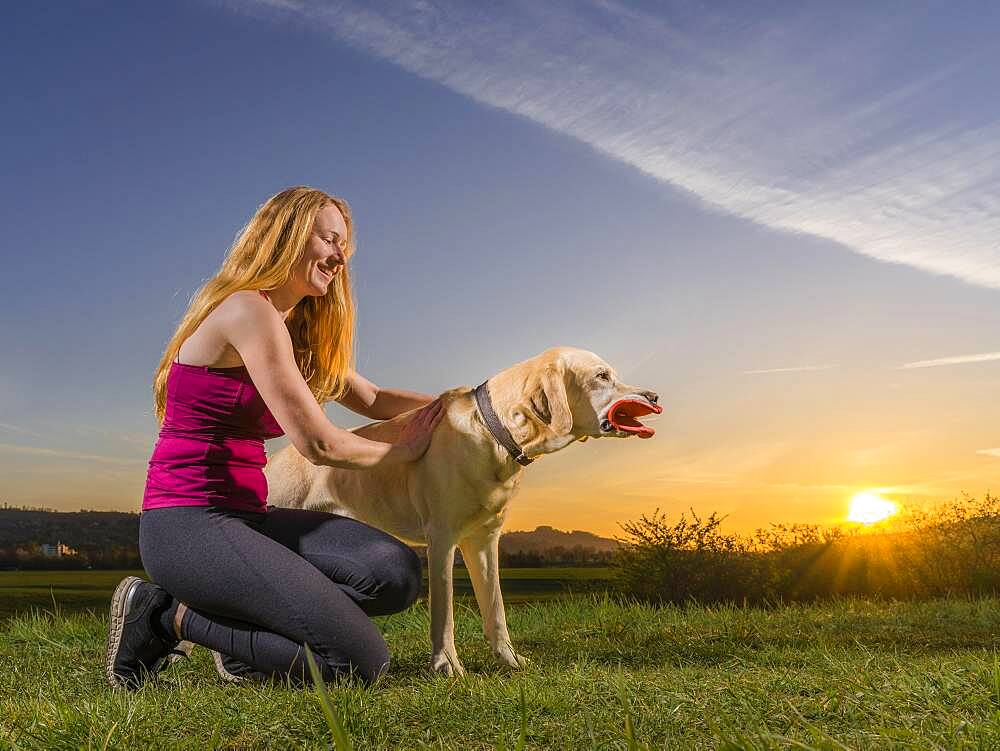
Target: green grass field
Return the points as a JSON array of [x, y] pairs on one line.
[[21, 591], [849, 674]]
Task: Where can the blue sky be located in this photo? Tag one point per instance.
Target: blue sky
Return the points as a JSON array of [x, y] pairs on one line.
[[765, 214]]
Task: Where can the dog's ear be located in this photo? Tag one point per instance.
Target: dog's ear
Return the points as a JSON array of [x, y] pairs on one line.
[[550, 402]]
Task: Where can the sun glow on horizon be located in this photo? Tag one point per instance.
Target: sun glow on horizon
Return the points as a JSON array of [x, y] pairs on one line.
[[868, 508]]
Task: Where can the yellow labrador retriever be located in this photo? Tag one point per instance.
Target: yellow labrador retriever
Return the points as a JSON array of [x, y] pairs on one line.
[[459, 491]]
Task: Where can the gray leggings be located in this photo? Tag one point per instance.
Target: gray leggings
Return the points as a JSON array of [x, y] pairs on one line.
[[260, 585]]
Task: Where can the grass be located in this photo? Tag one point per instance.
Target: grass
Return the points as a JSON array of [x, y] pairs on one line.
[[847, 674], [69, 590], [79, 590]]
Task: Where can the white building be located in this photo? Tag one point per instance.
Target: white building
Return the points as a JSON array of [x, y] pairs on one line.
[[56, 551]]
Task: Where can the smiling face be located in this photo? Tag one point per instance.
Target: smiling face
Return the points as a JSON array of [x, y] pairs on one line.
[[324, 254]]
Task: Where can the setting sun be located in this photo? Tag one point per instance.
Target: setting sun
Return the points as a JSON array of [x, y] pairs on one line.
[[869, 508]]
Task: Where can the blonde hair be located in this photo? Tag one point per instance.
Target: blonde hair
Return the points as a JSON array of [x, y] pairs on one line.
[[262, 257]]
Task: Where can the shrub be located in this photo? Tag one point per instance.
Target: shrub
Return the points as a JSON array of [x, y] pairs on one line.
[[952, 549], [689, 559]]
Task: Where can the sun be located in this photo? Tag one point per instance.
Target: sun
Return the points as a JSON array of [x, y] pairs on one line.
[[869, 508]]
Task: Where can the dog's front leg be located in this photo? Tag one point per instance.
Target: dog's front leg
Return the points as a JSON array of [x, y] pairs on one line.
[[440, 563], [480, 551]]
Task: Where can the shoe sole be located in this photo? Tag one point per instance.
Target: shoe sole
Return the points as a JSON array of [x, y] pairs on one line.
[[224, 674], [120, 602], [182, 650]]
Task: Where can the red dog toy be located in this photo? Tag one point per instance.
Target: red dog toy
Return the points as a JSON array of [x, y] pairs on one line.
[[623, 413]]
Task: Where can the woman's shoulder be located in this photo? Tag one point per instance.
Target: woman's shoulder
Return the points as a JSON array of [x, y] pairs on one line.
[[244, 302], [250, 323], [244, 309], [252, 296]]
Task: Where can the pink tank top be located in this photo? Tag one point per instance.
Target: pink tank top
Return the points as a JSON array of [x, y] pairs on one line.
[[210, 450]]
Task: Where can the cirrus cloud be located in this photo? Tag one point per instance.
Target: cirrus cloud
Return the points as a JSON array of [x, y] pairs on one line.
[[863, 124]]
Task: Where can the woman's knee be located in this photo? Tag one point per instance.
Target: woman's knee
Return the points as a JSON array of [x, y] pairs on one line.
[[366, 665], [398, 569], [371, 666]]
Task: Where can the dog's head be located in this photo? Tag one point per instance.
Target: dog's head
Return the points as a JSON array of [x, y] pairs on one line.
[[572, 394]]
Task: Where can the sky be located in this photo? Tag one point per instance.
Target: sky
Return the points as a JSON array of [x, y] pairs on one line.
[[783, 217]]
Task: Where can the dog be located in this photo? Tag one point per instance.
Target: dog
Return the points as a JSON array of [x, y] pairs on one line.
[[458, 492]]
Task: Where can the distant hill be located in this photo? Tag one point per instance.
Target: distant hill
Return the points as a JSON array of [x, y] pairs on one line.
[[110, 538], [78, 529], [74, 528], [546, 538], [89, 539]]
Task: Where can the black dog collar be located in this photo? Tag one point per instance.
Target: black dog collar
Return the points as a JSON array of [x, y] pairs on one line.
[[496, 428]]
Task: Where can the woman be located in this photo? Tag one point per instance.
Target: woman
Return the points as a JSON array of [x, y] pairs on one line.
[[264, 343]]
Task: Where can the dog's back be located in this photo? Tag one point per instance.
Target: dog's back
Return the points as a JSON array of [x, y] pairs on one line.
[[401, 498]]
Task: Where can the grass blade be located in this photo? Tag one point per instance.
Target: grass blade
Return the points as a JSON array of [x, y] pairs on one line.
[[524, 722], [341, 740]]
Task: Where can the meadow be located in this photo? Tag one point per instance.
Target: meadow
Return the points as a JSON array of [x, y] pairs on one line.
[[21, 591], [605, 673]]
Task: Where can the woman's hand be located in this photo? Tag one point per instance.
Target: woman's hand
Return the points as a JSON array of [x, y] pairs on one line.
[[416, 434]]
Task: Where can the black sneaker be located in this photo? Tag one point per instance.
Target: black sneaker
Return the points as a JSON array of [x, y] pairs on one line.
[[136, 650]]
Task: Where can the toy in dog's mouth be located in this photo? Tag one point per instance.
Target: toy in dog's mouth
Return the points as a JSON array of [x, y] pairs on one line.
[[623, 413]]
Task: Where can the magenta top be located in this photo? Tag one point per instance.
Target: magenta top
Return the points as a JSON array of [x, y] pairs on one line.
[[210, 451]]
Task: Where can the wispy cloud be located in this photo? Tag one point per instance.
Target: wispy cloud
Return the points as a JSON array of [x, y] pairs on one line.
[[959, 360], [117, 435], [815, 119], [12, 448], [17, 429], [989, 452], [796, 369], [61, 427]]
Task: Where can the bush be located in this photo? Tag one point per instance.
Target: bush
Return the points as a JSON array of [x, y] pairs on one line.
[[953, 549], [690, 559]]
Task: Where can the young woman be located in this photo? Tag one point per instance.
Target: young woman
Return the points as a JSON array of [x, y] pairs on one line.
[[264, 343]]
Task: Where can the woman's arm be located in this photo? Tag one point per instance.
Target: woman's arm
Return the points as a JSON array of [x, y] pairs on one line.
[[257, 332], [367, 399]]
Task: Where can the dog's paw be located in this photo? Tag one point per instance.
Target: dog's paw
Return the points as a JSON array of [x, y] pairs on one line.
[[508, 658], [443, 663]]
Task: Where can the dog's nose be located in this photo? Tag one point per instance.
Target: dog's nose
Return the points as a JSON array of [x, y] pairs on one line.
[[652, 396]]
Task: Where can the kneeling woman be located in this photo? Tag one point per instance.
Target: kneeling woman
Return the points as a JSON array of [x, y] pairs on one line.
[[263, 345]]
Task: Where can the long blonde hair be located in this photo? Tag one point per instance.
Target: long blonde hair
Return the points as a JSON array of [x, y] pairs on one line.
[[262, 257]]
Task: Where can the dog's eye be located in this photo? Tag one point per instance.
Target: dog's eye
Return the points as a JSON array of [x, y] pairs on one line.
[[604, 375]]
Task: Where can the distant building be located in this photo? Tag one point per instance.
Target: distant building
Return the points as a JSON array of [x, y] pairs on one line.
[[56, 551]]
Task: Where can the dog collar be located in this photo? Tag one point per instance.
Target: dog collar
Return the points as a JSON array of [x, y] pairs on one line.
[[496, 428]]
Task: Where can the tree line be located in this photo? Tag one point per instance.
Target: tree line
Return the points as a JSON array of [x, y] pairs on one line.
[[109, 540]]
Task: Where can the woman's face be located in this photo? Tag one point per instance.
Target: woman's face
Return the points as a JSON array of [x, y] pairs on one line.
[[324, 254]]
